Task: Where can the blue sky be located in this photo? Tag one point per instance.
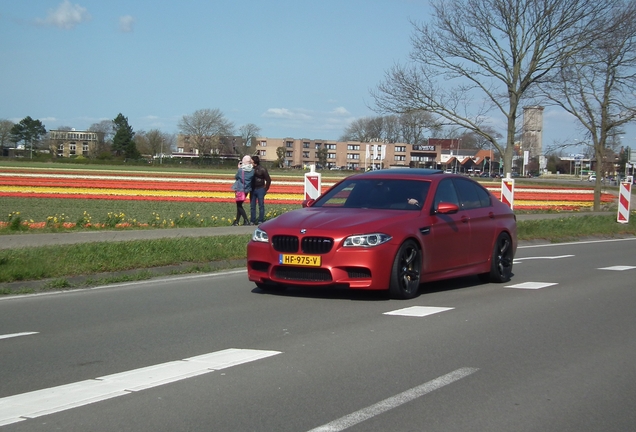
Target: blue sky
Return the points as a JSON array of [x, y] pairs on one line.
[[295, 68]]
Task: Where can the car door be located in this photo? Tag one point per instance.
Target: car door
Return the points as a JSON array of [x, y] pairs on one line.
[[477, 207], [446, 243]]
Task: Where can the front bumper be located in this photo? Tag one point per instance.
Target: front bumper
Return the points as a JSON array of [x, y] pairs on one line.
[[354, 268]]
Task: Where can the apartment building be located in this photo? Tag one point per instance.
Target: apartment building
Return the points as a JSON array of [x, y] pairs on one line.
[[69, 143], [437, 153]]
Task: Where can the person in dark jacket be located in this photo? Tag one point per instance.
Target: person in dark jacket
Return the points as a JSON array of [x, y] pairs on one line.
[[260, 185], [243, 183]]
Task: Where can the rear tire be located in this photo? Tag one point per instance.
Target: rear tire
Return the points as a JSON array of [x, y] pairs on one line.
[[406, 270], [501, 261]]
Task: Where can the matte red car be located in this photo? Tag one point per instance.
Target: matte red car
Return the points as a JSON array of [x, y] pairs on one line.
[[387, 230]]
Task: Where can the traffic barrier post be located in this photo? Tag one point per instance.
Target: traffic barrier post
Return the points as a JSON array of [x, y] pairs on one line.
[[312, 184], [508, 192], [624, 200]]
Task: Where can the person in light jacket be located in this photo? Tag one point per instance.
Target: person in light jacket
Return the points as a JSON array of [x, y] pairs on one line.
[[243, 183]]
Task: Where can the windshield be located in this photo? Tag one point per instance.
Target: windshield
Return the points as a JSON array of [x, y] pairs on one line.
[[376, 194]]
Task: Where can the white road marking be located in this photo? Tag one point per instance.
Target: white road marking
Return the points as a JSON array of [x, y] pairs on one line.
[[618, 268], [47, 401], [394, 402], [518, 260], [418, 311], [532, 285], [577, 243], [7, 336]]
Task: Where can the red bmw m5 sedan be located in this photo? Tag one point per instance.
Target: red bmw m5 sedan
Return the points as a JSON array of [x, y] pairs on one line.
[[387, 230]]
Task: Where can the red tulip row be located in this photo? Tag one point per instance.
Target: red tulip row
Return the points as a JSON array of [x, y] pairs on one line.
[[121, 197], [222, 185], [556, 196], [108, 185]]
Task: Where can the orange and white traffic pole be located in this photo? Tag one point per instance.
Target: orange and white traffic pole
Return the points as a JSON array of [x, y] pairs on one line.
[[508, 192], [312, 184], [624, 200]]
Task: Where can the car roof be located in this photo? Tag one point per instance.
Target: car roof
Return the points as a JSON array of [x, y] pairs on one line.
[[402, 172]]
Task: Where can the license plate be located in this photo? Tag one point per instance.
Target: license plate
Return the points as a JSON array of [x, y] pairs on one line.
[[299, 260]]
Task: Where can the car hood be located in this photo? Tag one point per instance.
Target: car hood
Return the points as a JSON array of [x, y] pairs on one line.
[[348, 220]]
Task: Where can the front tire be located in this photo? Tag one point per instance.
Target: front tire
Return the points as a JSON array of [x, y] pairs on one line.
[[501, 261], [406, 270]]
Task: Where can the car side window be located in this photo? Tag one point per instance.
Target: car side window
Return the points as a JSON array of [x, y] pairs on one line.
[[484, 196], [445, 193], [469, 194]]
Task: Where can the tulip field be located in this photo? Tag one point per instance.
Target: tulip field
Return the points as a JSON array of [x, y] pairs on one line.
[[190, 196]]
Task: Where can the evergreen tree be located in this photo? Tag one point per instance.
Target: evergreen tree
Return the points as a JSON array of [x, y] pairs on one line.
[[123, 143], [29, 131]]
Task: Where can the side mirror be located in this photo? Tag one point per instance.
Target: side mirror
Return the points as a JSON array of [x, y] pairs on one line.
[[447, 208], [308, 203]]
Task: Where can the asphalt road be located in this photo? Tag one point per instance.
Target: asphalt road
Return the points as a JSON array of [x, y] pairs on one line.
[[553, 350]]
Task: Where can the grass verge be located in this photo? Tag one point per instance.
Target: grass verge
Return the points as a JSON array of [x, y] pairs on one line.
[[65, 261], [570, 228]]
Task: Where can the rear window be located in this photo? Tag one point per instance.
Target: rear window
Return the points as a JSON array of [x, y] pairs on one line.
[[376, 194]]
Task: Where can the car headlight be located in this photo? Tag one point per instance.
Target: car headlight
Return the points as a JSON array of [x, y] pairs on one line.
[[260, 236], [366, 240]]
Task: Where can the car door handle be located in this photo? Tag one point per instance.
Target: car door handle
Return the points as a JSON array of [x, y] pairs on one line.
[[491, 215], [465, 219]]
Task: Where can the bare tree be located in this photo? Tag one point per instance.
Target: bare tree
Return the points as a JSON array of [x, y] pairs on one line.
[[5, 134], [204, 128], [105, 130], [248, 133], [376, 129], [230, 145], [280, 156], [480, 58], [414, 123], [106, 127], [358, 130], [407, 128], [474, 140], [391, 130], [154, 142], [597, 86], [166, 141], [141, 142]]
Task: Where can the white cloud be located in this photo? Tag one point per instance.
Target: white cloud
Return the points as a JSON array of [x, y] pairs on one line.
[[284, 113], [66, 16], [341, 111], [314, 124], [126, 24]]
